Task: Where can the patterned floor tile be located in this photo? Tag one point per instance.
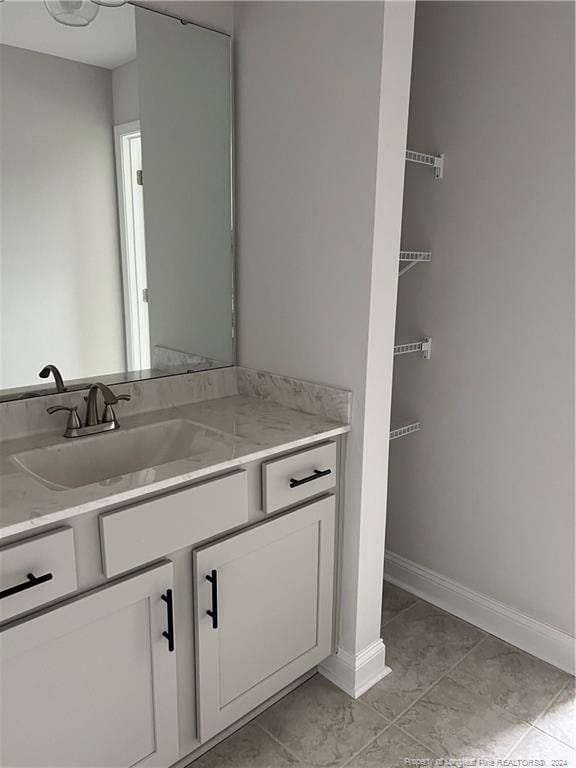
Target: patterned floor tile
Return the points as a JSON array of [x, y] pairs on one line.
[[392, 749], [249, 747], [395, 600], [321, 724], [510, 678], [456, 723], [539, 746], [559, 720], [421, 645]]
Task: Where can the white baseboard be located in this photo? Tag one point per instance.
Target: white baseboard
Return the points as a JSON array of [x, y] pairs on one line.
[[355, 674], [498, 619]]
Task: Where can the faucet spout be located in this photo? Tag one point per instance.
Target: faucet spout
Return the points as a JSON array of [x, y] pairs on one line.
[[92, 402], [58, 380]]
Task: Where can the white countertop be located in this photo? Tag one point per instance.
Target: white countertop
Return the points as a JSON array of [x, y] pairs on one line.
[[261, 429]]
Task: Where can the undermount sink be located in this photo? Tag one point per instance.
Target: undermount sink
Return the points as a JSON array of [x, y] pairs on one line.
[[96, 459]]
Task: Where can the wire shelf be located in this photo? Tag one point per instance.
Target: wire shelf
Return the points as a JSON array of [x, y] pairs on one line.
[[422, 158], [415, 256], [424, 346], [409, 259], [405, 429]]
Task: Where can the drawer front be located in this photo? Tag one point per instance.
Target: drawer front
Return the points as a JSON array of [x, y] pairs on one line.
[[36, 571], [300, 476], [152, 529]]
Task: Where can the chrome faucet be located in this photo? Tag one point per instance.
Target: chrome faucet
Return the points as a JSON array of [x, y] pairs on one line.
[[92, 423]]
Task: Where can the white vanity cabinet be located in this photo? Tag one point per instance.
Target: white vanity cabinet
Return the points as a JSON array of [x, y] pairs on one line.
[[264, 611], [230, 580], [93, 682]]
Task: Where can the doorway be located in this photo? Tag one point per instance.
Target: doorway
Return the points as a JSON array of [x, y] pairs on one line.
[[129, 175]]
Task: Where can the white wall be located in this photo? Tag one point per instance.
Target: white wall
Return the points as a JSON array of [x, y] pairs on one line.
[[61, 283], [484, 493], [308, 94]]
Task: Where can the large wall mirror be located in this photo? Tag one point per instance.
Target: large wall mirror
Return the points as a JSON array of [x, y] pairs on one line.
[[116, 257]]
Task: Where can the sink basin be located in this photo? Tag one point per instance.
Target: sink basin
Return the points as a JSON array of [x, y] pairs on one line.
[[98, 458]]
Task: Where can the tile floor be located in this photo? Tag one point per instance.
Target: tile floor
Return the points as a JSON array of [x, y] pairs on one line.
[[454, 693]]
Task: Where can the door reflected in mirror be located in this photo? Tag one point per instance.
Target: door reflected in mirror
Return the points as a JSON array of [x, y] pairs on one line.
[[116, 257]]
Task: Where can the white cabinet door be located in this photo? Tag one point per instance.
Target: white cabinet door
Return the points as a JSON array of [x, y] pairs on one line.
[[264, 606], [92, 682]]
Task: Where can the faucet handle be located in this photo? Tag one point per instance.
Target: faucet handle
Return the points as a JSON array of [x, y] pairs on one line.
[[117, 397], [73, 422], [109, 414]]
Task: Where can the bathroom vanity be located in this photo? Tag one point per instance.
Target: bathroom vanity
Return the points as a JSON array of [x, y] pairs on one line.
[[143, 615], [168, 563]]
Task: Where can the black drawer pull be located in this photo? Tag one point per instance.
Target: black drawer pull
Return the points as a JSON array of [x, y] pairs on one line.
[[213, 579], [169, 634], [317, 473], [33, 581]]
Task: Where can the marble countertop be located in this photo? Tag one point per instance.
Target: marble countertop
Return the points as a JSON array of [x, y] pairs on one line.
[[253, 429]]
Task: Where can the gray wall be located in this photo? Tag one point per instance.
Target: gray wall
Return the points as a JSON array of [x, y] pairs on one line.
[[125, 93], [185, 99], [215, 14], [308, 92], [60, 270], [484, 493]]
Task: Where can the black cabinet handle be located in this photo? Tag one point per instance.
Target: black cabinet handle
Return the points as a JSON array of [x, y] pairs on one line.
[[169, 634], [33, 581], [317, 474], [213, 579]]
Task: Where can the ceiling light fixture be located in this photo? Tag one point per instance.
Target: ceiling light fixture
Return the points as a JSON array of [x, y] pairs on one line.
[[72, 13], [110, 3]]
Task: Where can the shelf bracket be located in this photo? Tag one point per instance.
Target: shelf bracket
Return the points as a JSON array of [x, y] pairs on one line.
[[434, 161], [439, 166], [409, 259], [424, 346], [427, 348], [407, 268]]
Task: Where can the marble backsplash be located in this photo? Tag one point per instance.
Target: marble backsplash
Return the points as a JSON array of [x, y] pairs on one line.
[[167, 359], [20, 418], [306, 396], [25, 417]]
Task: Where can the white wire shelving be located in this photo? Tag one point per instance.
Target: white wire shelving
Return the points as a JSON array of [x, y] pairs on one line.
[[404, 429], [423, 345], [434, 161], [409, 259]]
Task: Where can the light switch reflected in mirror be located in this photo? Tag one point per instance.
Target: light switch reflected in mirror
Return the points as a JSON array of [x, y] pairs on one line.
[[117, 242]]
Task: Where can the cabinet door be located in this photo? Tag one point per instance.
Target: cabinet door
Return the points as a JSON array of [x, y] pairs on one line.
[[92, 682], [264, 606]]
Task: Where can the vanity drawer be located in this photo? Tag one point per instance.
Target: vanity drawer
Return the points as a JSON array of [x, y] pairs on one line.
[[300, 476], [152, 529], [36, 571]]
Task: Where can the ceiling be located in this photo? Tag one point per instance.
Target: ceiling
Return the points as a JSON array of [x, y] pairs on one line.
[[109, 41]]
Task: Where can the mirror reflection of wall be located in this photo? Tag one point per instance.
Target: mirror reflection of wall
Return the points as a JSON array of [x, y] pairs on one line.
[[116, 254], [184, 82]]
